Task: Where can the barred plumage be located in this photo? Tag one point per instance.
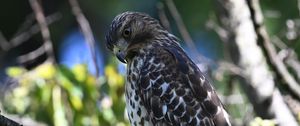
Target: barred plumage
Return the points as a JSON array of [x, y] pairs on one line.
[[164, 87]]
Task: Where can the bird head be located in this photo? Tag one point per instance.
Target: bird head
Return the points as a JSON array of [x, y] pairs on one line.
[[129, 29]]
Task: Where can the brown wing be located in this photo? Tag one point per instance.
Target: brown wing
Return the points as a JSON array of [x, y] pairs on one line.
[[175, 92]]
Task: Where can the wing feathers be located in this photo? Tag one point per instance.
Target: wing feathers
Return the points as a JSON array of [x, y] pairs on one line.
[[176, 90]]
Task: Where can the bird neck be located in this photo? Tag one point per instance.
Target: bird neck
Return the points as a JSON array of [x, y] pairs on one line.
[[160, 41]]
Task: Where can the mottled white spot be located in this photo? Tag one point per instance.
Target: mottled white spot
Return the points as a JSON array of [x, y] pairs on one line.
[[165, 108], [158, 78], [226, 117], [151, 60], [202, 79], [182, 114], [173, 96], [190, 119], [208, 96], [198, 121], [164, 87], [219, 109], [180, 101]]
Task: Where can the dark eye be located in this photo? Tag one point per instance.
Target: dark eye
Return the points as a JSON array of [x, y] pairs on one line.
[[126, 33]]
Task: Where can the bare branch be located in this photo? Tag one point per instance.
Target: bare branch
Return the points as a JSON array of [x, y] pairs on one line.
[[298, 6], [44, 29], [289, 56], [222, 33], [228, 67], [210, 24], [269, 49], [3, 42], [293, 103], [32, 55], [86, 30], [29, 20], [183, 30], [34, 29], [258, 83], [23, 34], [179, 22], [278, 42], [162, 16]]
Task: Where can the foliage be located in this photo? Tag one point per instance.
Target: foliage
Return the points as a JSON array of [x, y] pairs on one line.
[[61, 96], [262, 122]]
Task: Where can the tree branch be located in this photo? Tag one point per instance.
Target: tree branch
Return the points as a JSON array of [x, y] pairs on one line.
[[222, 33], [25, 33], [183, 31], [86, 30], [269, 49], [293, 103], [37, 9], [258, 82], [162, 16], [289, 56], [31, 55]]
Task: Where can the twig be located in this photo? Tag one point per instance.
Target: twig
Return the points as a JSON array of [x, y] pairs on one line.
[[289, 57], [23, 35], [29, 20], [270, 50], [86, 30], [210, 24], [222, 33], [183, 30], [228, 67], [293, 103], [162, 16], [298, 1], [294, 63], [44, 29], [179, 22], [31, 55], [3, 42], [34, 29], [278, 42]]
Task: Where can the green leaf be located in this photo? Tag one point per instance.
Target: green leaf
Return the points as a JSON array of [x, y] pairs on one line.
[[15, 71]]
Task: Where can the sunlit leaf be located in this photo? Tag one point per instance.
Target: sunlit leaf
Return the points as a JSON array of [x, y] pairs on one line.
[[46, 94], [46, 70], [108, 115], [19, 99], [90, 121], [261, 122], [91, 80], [76, 98], [114, 79], [80, 72], [56, 91], [121, 124], [15, 71], [59, 113], [20, 92]]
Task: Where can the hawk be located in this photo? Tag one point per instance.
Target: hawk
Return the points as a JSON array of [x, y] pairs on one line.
[[164, 86]]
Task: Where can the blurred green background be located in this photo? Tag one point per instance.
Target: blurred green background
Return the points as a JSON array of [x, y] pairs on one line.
[[69, 93]]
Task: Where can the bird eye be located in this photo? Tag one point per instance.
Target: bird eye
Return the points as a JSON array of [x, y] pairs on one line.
[[126, 33]]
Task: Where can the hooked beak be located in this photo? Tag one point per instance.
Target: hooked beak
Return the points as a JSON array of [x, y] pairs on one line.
[[120, 55]]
